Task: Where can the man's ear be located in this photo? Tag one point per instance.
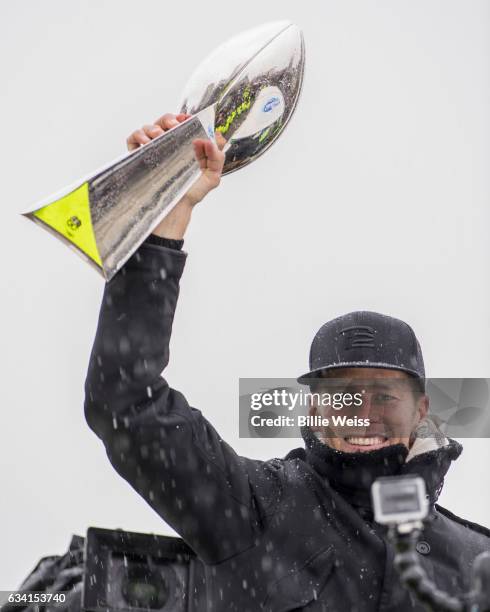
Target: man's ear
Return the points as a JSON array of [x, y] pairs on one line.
[[423, 406]]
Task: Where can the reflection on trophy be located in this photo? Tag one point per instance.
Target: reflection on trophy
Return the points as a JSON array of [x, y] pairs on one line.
[[246, 90]]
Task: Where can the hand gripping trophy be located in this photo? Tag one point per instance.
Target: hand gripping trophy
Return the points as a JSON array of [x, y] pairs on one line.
[[246, 91]]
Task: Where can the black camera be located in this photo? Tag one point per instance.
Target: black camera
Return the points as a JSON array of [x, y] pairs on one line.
[[127, 571]]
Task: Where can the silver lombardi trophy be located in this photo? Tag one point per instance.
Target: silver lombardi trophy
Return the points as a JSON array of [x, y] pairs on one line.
[[247, 90]]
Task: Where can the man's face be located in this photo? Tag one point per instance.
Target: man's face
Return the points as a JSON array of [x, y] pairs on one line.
[[389, 400]]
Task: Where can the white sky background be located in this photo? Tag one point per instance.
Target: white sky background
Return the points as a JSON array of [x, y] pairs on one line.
[[376, 197]]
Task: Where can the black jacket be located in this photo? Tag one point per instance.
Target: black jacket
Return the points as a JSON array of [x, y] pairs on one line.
[[277, 535]]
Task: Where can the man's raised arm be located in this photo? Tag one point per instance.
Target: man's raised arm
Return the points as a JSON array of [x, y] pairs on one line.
[[164, 448]]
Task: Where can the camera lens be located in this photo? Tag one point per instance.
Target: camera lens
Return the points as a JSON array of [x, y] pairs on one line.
[[144, 588]]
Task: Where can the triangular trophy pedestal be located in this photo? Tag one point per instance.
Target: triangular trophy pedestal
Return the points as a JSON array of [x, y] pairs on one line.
[[109, 215]]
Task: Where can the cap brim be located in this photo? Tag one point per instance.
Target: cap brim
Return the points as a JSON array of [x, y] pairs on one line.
[[303, 380]]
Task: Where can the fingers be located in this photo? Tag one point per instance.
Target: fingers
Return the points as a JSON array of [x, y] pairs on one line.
[[136, 139], [148, 132], [168, 121], [143, 136], [200, 153], [208, 155], [220, 140], [152, 131]]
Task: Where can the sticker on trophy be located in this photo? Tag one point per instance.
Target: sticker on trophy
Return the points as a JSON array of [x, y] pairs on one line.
[[271, 103], [267, 109], [246, 90]]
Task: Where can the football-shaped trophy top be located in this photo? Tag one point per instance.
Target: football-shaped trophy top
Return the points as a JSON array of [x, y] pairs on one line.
[[255, 80]]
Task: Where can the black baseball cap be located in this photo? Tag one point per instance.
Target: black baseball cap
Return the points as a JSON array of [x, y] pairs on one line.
[[365, 339]]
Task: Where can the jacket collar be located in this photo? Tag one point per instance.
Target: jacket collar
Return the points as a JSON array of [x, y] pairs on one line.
[[352, 474]]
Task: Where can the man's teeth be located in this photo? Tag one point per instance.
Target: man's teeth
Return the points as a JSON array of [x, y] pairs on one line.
[[365, 441]]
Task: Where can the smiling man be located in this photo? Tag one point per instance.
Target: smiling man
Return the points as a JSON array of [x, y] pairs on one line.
[[378, 358], [287, 534]]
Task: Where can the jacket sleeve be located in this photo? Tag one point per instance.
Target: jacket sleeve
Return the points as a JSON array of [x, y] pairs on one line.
[[168, 452]]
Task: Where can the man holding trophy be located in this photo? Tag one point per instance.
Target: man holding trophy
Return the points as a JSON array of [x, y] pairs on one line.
[[296, 533], [285, 534]]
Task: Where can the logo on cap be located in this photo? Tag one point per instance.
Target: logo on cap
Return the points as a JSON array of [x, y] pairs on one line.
[[358, 336]]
